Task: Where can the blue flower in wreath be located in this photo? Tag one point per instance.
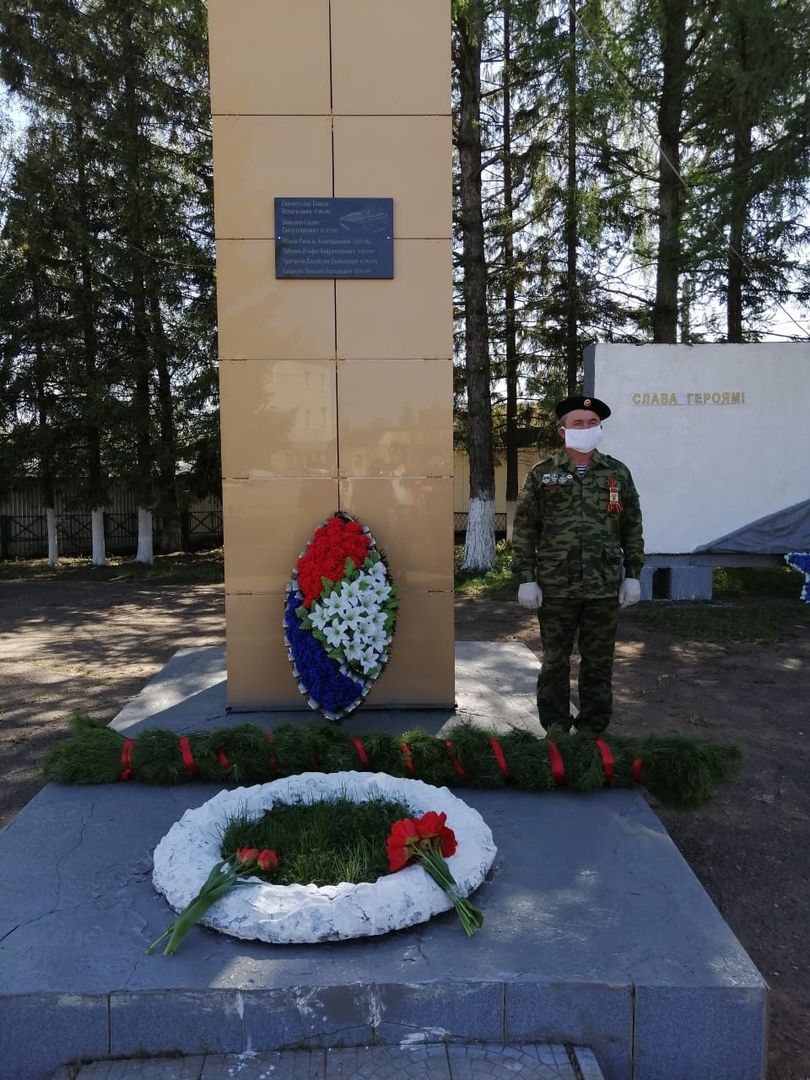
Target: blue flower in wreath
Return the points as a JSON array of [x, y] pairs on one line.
[[318, 673], [800, 560]]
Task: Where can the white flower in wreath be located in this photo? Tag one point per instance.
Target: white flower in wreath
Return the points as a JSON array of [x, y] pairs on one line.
[[336, 635], [350, 590], [318, 617], [369, 659], [380, 592], [353, 652], [379, 643], [331, 604], [348, 608]]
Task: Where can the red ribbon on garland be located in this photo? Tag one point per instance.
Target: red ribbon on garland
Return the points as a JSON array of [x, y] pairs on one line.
[[557, 764], [361, 752], [555, 757], [126, 759], [497, 750], [456, 763], [607, 759], [188, 757], [273, 763]]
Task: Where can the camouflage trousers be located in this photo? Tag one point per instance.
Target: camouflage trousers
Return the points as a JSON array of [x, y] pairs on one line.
[[596, 622]]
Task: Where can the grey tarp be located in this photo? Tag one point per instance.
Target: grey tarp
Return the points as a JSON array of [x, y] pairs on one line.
[[786, 530]]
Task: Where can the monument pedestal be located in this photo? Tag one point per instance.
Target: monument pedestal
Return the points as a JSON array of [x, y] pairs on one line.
[[596, 931]]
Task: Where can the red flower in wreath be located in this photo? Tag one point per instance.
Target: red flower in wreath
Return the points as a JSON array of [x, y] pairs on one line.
[[246, 855], [326, 555], [267, 860]]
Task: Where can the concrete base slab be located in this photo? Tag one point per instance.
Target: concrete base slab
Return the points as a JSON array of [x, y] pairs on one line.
[[678, 581], [596, 931]]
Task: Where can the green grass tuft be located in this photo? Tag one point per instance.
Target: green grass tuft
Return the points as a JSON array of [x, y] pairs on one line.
[[321, 843], [762, 622], [496, 584], [750, 581]]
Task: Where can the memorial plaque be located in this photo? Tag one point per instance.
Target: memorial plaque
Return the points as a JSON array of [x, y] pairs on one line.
[[334, 238]]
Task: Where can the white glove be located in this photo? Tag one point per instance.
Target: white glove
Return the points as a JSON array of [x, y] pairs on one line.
[[530, 595], [629, 592]]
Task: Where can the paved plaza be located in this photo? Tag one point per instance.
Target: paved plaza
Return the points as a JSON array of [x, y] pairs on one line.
[[440, 1062]]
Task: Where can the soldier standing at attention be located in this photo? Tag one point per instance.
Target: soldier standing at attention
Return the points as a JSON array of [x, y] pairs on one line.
[[577, 522]]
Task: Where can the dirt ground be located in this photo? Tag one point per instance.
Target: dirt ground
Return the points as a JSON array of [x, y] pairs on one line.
[[92, 646]]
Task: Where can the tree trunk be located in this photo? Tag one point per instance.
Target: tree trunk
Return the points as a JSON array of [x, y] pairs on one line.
[[99, 555], [45, 435], [145, 552], [168, 503], [479, 546], [137, 210], [509, 284], [571, 216], [53, 545], [685, 316], [85, 307], [740, 198], [670, 208]]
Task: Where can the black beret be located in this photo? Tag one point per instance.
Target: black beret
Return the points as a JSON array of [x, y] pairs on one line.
[[578, 401]]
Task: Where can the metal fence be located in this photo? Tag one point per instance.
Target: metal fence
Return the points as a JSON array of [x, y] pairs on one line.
[[23, 528], [460, 524], [25, 536]]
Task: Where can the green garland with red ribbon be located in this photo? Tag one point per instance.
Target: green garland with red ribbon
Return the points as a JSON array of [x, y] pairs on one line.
[[678, 770]]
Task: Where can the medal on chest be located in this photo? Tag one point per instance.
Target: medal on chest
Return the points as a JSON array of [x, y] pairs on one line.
[[614, 506]]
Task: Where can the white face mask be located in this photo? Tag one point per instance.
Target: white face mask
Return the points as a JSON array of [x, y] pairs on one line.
[[583, 439]]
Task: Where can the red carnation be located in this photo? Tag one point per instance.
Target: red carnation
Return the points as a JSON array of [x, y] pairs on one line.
[[427, 840], [402, 842], [432, 825]]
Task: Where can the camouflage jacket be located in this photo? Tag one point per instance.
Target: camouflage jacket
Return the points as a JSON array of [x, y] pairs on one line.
[[564, 535]]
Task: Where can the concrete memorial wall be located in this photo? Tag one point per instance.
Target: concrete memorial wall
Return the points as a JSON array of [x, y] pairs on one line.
[[717, 439], [336, 391]]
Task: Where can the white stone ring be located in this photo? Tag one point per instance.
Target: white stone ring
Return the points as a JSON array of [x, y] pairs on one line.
[[308, 913]]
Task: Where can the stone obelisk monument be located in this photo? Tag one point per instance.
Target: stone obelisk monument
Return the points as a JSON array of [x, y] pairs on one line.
[[336, 391]]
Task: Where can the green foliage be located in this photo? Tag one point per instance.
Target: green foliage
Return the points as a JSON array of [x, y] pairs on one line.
[[680, 771], [106, 255], [751, 581], [499, 583], [323, 843]]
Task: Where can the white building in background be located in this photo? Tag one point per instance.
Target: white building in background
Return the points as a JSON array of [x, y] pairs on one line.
[[718, 440]]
